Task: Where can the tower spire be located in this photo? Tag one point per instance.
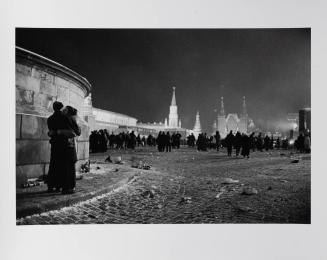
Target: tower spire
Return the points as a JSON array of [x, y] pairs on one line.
[[244, 106], [173, 116], [197, 126], [173, 100], [222, 109]]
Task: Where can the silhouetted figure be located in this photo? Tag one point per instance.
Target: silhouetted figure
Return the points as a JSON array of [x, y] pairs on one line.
[[168, 142], [58, 143], [229, 143], [300, 143], [252, 142], [237, 143], [266, 142], [246, 144], [139, 140], [259, 142], [69, 177], [307, 144], [278, 143], [217, 139], [132, 140], [271, 143]]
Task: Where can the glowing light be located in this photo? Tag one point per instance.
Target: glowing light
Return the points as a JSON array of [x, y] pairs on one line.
[[291, 142]]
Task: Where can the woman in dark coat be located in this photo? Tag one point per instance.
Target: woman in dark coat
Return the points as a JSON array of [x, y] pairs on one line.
[[69, 174], [63, 160]]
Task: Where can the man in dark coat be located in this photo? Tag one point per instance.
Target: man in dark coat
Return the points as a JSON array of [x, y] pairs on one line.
[[132, 138], [252, 142], [237, 143], [246, 144], [259, 142], [229, 143], [58, 143], [266, 142], [168, 142], [217, 138]]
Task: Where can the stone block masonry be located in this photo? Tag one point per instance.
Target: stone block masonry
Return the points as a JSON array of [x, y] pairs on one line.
[[39, 82]]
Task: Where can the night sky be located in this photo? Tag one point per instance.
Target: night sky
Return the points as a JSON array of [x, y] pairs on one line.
[[132, 71]]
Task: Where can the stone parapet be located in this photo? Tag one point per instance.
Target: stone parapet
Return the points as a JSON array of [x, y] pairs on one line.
[[39, 82]]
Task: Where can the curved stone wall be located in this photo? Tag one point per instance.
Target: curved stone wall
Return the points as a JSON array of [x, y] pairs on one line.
[[39, 82]]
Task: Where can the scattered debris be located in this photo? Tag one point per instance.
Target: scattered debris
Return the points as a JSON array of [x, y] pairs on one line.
[[33, 182], [141, 165], [85, 167], [229, 181], [242, 208], [186, 200], [95, 169], [79, 176], [249, 191], [221, 191], [148, 194], [114, 159]]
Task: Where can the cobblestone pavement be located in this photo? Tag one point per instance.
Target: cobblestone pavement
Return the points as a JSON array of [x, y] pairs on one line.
[[186, 186]]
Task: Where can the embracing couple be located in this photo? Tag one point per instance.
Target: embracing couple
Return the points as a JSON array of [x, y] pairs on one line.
[[63, 129]]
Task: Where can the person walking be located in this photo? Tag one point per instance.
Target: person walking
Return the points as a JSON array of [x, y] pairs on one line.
[[307, 144], [168, 142], [237, 143], [229, 143], [246, 145], [217, 138]]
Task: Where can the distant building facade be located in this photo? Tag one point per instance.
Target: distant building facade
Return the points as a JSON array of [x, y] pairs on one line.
[[116, 122], [172, 124], [232, 122], [305, 120]]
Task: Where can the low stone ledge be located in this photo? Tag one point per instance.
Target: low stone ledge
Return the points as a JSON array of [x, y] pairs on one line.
[[24, 172]]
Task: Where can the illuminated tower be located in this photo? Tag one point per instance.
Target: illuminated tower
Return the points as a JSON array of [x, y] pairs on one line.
[[173, 116], [197, 126], [243, 124], [221, 120]]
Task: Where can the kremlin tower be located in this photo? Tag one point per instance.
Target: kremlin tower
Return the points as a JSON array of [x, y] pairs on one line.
[[197, 126], [221, 120], [173, 121]]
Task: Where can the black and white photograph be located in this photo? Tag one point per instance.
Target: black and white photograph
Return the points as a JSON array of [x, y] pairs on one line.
[[163, 126], [163, 130]]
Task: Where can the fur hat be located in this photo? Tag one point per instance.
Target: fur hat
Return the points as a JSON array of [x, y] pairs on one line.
[[57, 105]]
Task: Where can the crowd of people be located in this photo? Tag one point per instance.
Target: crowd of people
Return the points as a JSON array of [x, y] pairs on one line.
[[243, 143], [166, 141], [101, 140]]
